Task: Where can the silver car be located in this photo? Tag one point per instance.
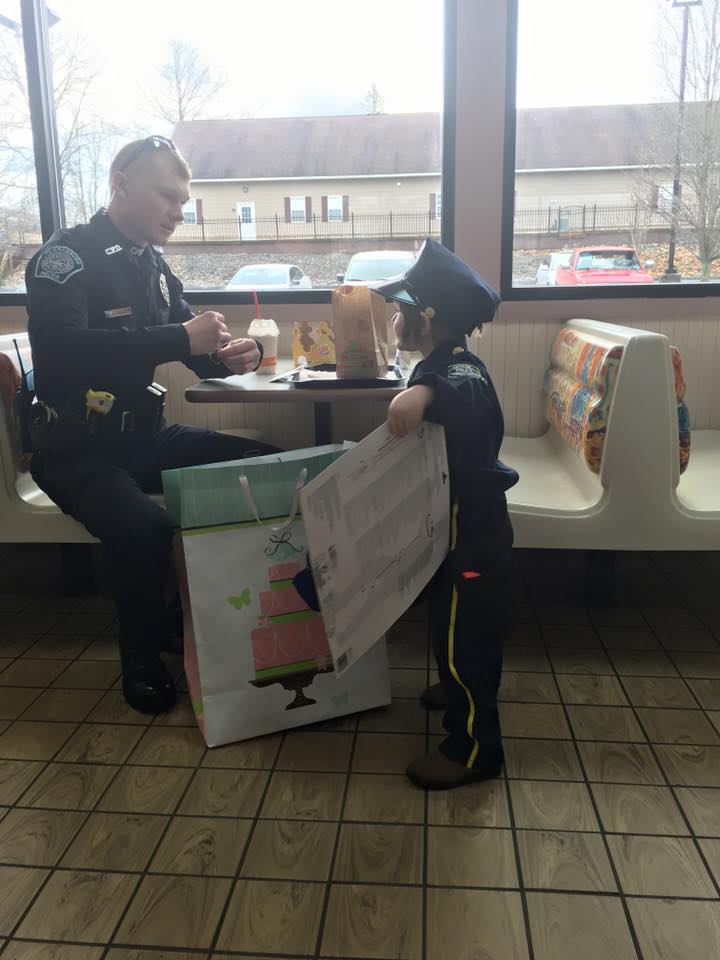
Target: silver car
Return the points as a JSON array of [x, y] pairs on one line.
[[270, 276]]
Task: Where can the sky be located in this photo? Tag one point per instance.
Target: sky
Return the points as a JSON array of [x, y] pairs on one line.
[[292, 58]]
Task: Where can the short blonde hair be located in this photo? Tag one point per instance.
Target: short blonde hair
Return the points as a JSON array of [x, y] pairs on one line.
[[132, 151]]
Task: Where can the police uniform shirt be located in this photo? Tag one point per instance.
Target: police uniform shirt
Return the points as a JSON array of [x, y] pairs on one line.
[[104, 313], [466, 405]]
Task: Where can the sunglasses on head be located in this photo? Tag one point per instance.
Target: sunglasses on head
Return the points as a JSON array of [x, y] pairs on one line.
[[149, 143]]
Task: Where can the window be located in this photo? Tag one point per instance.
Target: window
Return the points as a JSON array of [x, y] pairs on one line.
[[190, 211], [665, 197], [438, 205], [597, 149], [275, 154], [297, 209], [19, 215], [335, 208]]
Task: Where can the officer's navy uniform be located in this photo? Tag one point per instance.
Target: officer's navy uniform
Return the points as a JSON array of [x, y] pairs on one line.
[[103, 313], [469, 617], [468, 597]]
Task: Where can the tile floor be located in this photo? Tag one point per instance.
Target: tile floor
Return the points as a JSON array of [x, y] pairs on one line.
[[122, 837]]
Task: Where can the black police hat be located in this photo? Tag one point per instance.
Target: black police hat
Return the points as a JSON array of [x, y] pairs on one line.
[[458, 296]]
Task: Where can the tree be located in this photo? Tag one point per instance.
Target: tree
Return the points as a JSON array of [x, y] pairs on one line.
[[185, 86], [691, 132], [374, 102], [86, 143], [85, 181]]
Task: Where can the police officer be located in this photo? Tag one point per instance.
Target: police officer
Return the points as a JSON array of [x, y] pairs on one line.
[[441, 300], [105, 309]]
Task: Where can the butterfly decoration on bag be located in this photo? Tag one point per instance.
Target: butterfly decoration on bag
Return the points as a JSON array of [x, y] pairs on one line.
[[243, 600]]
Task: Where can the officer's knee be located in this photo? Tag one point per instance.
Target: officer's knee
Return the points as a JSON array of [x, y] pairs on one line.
[[144, 533]]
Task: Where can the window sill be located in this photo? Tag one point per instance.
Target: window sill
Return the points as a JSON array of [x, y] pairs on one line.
[[650, 291]]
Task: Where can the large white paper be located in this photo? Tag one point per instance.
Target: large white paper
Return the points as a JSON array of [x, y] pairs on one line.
[[377, 526]]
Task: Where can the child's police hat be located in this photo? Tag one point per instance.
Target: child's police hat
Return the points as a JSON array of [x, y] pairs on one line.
[[459, 298]]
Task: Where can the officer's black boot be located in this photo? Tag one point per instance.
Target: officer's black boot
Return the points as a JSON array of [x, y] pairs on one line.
[[147, 684]]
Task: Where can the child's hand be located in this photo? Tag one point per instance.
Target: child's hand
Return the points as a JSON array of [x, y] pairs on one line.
[[407, 409]]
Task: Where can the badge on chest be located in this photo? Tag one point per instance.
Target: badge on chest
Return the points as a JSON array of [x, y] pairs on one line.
[[164, 289]]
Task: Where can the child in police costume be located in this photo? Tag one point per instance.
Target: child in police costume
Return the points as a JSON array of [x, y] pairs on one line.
[[441, 300]]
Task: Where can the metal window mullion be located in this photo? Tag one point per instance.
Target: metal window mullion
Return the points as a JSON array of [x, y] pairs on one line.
[[38, 64], [447, 183]]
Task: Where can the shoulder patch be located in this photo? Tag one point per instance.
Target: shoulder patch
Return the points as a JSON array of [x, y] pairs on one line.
[[58, 264], [458, 370]]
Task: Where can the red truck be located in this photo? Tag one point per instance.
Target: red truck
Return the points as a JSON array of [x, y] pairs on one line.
[[590, 265]]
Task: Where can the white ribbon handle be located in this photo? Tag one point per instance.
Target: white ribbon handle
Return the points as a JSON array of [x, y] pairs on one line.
[[294, 506]]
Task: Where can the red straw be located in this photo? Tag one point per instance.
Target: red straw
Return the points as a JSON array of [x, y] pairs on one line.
[[257, 304]]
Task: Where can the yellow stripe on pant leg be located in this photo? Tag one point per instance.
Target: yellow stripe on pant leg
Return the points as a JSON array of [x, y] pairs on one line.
[[451, 650]]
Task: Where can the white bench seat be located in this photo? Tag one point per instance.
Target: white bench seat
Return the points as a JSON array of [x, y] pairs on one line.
[[699, 488], [553, 479]]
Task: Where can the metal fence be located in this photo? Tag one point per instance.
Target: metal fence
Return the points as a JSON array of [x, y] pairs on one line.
[[376, 226], [19, 230], [588, 218], [552, 219]]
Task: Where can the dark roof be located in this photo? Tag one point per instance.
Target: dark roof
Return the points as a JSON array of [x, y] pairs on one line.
[[620, 135], [298, 147], [548, 138]]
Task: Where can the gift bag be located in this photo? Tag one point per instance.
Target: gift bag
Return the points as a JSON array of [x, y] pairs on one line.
[[361, 342], [256, 657]]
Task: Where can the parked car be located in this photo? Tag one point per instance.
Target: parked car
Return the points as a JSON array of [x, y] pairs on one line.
[[546, 275], [590, 265], [270, 276], [371, 265]]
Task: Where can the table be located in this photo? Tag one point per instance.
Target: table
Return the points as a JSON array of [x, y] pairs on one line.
[[254, 388]]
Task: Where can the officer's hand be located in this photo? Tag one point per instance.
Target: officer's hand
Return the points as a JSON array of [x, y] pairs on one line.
[[240, 356], [407, 410], [207, 332]]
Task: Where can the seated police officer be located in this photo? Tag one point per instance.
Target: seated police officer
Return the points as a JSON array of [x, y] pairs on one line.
[[104, 310]]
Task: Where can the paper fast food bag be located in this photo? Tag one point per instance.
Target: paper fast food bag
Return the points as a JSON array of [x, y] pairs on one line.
[[360, 333]]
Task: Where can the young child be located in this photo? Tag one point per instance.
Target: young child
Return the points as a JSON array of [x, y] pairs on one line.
[[440, 301]]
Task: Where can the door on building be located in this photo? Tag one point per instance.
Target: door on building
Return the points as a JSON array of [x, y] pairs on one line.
[[247, 228]]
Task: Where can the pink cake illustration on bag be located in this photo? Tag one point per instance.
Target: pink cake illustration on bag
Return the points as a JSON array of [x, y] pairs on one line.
[[291, 646]]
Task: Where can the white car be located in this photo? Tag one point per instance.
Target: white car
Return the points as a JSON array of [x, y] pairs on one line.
[[546, 275], [373, 265], [270, 276]]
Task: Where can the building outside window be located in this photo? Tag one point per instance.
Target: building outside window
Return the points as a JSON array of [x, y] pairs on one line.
[[610, 158]]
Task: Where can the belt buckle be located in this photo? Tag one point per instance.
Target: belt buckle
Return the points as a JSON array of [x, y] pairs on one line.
[[127, 421]]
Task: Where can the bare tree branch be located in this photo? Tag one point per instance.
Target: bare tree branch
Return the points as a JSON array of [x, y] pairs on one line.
[[185, 86], [373, 101]]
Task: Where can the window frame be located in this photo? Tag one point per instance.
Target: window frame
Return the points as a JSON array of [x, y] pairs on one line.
[[190, 210], [301, 213], [336, 208], [40, 89], [508, 292]]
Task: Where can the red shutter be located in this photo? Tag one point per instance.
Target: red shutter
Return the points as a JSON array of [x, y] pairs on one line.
[[288, 218], [654, 196], [346, 207], [198, 210], [323, 201], [308, 209], [433, 206]]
